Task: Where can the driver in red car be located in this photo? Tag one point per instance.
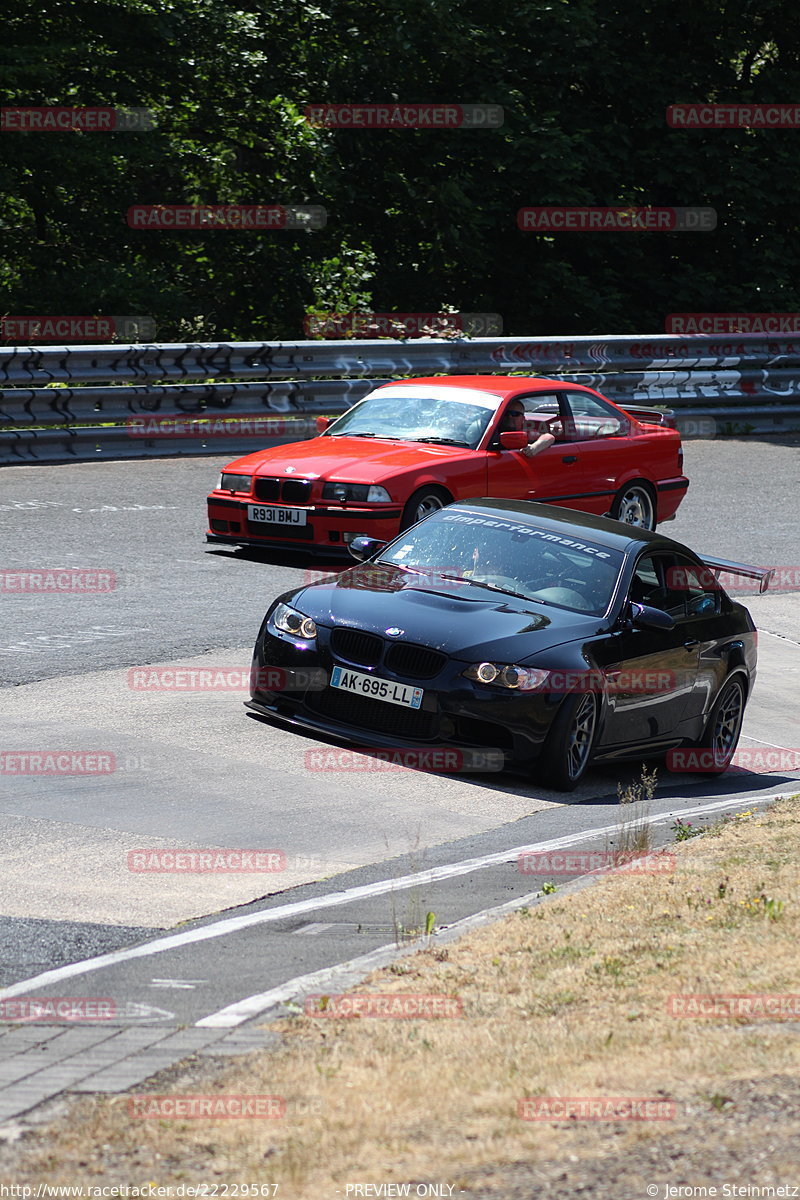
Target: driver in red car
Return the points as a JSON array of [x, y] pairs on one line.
[[514, 420]]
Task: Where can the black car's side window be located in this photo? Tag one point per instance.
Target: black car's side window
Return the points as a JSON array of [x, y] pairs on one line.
[[692, 588], [647, 585], [674, 584]]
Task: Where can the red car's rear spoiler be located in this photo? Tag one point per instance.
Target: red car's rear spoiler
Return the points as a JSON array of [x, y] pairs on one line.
[[652, 416], [720, 565]]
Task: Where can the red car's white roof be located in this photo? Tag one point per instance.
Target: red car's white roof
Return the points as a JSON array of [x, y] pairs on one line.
[[433, 391], [500, 386]]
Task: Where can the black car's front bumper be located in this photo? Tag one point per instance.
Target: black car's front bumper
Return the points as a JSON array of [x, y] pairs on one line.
[[455, 712]]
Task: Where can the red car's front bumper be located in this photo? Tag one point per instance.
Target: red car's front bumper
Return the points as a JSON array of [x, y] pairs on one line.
[[327, 527]]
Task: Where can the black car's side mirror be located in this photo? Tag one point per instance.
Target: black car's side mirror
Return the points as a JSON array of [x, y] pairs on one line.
[[645, 617], [364, 548]]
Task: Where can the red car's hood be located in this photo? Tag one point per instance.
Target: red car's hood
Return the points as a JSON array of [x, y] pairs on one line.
[[346, 459]]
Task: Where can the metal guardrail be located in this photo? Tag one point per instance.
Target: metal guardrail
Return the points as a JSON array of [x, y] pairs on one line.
[[67, 403]]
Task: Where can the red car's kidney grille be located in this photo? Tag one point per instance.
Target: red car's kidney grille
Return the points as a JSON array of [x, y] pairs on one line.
[[356, 646], [296, 491], [372, 714], [415, 662], [291, 491], [267, 489]]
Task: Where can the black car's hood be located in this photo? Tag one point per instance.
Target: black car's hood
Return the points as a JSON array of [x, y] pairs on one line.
[[462, 619]]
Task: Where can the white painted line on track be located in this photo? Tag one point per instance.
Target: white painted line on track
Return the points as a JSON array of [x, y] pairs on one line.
[[232, 925], [347, 974], [761, 742], [342, 974]]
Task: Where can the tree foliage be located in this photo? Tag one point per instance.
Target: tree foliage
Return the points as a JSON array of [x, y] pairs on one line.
[[417, 220]]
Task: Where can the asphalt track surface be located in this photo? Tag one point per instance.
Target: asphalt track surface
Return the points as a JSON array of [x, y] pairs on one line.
[[193, 770]]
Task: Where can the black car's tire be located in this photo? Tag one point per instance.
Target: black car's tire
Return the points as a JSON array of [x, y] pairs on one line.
[[568, 748], [423, 502], [635, 504], [721, 735]]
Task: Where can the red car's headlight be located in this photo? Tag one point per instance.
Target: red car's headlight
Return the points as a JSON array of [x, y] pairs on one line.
[[368, 493]]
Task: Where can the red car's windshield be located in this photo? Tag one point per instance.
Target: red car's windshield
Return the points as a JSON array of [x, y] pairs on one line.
[[458, 419]]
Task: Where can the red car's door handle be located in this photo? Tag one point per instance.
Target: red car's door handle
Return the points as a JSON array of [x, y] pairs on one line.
[[569, 458]]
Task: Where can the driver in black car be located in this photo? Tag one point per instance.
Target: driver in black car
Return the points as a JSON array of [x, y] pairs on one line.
[[514, 420]]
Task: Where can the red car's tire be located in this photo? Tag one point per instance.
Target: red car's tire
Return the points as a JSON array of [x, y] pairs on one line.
[[635, 504], [424, 501]]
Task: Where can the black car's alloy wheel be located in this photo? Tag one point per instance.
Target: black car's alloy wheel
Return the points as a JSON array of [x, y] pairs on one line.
[[721, 735], [568, 748]]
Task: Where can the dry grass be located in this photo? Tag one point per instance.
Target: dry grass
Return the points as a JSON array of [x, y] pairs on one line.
[[566, 999]]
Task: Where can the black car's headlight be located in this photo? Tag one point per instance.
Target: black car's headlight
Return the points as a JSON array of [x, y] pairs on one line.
[[234, 483], [289, 620], [365, 492], [522, 679]]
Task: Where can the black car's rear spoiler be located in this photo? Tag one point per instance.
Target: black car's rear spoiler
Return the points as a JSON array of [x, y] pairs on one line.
[[653, 416], [726, 565]]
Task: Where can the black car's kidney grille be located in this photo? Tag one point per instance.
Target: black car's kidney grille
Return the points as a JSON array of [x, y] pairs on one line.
[[356, 646], [291, 491], [376, 715], [416, 662]]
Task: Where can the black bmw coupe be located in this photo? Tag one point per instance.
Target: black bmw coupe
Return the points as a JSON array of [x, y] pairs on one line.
[[551, 637]]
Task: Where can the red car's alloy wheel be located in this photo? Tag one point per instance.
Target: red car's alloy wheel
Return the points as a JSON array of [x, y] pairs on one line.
[[634, 505], [425, 501]]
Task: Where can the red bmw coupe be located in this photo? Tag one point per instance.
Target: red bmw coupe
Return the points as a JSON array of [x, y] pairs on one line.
[[411, 447]]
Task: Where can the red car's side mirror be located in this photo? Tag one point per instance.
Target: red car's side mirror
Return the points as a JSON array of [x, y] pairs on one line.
[[322, 424], [514, 439]]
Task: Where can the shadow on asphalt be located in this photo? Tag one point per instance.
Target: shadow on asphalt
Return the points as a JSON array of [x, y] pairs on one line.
[[605, 780], [276, 557]]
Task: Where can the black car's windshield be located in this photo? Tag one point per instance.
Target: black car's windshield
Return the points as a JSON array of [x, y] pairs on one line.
[[445, 416], [508, 555]]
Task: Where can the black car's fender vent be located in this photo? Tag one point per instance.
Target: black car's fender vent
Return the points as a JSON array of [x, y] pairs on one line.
[[291, 491], [376, 715], [355, 646], [416, 662]]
